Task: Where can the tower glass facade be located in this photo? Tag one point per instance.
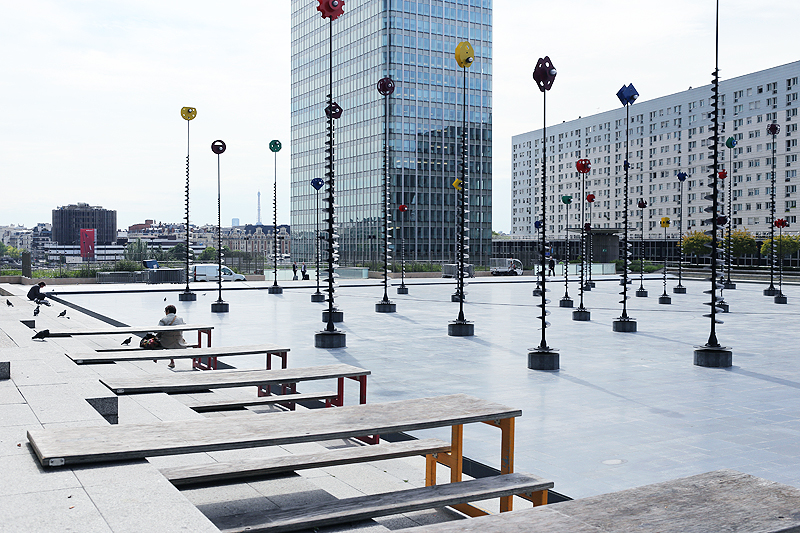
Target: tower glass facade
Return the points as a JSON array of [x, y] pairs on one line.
[[414, 44]]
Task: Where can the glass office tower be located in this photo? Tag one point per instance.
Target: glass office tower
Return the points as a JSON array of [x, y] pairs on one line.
[[413, 43]]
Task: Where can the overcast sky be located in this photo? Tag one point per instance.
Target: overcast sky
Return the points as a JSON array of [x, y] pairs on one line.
[[91, 91]]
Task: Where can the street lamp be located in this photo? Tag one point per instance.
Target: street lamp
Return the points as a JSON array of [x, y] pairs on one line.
[[317, 184], [664, 298], [641, 292], [465, 57], [583, 166], [781, 223], [220, 306], [624, 324], [566, 301], [773, 129], [275, 147], [188, 113], [730, 143], [680, 289], [544, 357]]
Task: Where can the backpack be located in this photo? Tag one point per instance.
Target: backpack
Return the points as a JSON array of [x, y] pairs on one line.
[[149, 342]]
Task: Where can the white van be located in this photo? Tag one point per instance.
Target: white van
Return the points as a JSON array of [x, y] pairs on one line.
[[211, 273]]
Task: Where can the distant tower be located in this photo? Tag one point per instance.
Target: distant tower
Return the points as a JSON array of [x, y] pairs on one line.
[[259, 208]]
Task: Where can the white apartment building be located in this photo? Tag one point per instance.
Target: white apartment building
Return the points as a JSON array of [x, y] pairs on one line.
[[668, 135]]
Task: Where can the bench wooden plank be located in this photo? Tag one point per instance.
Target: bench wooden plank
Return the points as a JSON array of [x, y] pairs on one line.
[[723, 500], [375, 505], [140, 354], [218, 472], [197, 381], [73, 445], [202, 406], [129, 330]]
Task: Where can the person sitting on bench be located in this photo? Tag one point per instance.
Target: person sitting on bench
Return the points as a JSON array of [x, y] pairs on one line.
[[171, 339]]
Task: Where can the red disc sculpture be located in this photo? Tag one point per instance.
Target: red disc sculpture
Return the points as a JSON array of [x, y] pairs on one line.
[[722, 174], [331, 9], [590, 198], [583, 166]]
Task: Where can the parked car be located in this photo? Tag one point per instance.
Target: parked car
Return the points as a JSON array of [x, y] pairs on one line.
[[211, 273], [505, 267]]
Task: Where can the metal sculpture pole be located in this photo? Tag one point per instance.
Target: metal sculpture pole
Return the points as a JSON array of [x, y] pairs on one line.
[[188, 113], [465, 57], [544, 357], [330, 337], [583, 166], [590, 198], [712, 354], [730, 143], [627, 96], [275, 147], [781, 223], [680, 289], [772, 129], [220, 306], [641, 292], [566, 301], [386, 88], [402, 289], [664, 298], [317, 184]]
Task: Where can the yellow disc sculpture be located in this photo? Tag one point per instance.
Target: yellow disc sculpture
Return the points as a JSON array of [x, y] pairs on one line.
[[465, 55], [188, 113]]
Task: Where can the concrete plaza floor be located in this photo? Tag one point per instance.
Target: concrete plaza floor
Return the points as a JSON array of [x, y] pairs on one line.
[[624, 410]]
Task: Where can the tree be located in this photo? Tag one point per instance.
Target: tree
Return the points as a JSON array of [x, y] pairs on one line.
[[742, 243], [209, 254], [784, 245], [694, 243], [136, 251], [177, 252]]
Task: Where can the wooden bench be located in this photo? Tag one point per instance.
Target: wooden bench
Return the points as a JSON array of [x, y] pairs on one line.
[[182, 476], [286, 400], [317, 514], [723, 500], [133, 330], [196, 354], [175, 382]]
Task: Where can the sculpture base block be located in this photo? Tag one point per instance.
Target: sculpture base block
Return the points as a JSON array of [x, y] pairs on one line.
[[771, 291], [385, 307], [587, 287], [338, 316], [455, 298], [566, 301], [717, 357], [461, 329], [729, 285], [275, 289], [780, 299], [330, 339], [624, 325], [664, 299], [581, 315], [537, 292], [592, 284], [402, 290], [723, 307], [220, 307], [543, 359], [641, 293], [187, 297], [317, 297], [680, 289]]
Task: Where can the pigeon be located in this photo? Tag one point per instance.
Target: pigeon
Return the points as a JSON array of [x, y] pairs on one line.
[[62, 313], [127, 341], [36, 311], [165, 299], [42, 334], [8, 303]]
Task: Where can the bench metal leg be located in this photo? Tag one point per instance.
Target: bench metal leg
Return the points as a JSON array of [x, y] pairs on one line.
[[282, 355], [210, 364], [506, 457]]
